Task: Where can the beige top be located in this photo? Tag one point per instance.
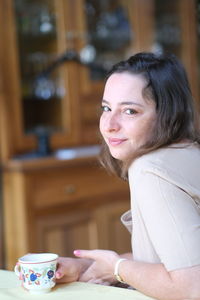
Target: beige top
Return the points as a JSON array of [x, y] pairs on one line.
[[165, 207]]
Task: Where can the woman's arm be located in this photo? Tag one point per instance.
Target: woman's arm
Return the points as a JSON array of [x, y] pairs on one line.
[[151, 279], [155, 281]]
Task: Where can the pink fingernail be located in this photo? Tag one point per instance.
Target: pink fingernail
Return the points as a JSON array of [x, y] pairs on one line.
[[77, 252], [58, 275]]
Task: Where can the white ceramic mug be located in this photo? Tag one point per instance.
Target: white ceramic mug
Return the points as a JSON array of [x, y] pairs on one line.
[[37, 271]]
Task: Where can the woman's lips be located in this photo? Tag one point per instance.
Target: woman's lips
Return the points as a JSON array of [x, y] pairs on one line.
[[115, 142]]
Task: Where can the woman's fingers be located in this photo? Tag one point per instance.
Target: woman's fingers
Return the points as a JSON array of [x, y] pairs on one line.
[[95, 254], [60, 272], [91, 254], [67, 269]]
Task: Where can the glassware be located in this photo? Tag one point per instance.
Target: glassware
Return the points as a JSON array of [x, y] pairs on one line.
[[109, 32], [167, 27]]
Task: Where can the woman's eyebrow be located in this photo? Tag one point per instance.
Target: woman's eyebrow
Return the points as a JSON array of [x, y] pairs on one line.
[[105, 101], [125, 103]]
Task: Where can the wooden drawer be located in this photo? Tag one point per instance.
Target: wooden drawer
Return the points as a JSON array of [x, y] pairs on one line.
[[59, 186]]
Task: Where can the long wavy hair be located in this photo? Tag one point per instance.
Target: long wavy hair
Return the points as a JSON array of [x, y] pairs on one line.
[[168, 86]]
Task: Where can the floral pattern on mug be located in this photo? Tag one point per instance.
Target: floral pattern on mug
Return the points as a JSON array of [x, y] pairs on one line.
[[38, 276]]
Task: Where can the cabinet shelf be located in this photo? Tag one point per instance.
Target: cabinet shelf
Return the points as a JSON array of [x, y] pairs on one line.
[[31, 39]]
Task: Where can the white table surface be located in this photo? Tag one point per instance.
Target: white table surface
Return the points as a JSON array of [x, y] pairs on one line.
[[10, 289]]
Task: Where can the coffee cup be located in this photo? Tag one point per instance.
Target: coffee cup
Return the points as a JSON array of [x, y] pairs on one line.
[[37, 271]]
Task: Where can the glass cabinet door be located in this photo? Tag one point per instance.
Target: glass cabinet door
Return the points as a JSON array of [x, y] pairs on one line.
[[167, 27], [43, 77], [109, 32], [175, 32], [106, 33], [42, 87]]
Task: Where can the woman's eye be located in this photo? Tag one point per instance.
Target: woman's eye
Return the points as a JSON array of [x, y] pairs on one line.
[[130, 111], [105, 108]]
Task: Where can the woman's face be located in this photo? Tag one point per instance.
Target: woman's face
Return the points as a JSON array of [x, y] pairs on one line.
[[128, 118]]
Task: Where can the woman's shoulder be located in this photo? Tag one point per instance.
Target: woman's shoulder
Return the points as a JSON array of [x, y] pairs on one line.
[[176, 157], [177, 164]]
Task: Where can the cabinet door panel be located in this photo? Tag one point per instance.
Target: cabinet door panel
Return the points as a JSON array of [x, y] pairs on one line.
[[112, 233], [63, 234], [97, 228], [36, 81]]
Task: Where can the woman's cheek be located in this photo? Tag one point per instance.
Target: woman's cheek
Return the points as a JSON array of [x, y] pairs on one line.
[[101, 126]]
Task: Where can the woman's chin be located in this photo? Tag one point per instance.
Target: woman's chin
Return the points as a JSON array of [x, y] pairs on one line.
[[118, 156]]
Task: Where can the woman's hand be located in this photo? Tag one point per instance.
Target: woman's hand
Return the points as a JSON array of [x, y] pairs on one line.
[[70, 269], [101, 271]]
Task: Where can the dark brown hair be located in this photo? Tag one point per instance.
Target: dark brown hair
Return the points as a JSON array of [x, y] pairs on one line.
[[167, 85]]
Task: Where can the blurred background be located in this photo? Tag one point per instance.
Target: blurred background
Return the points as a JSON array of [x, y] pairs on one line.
[[54, 55]]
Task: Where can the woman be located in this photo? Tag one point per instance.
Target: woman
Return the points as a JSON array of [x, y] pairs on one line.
[[150, 137]]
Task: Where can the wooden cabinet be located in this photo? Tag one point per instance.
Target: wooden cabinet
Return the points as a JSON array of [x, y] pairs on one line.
[[63, 205]]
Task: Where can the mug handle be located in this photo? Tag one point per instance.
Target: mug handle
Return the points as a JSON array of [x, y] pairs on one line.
[[16, 269]]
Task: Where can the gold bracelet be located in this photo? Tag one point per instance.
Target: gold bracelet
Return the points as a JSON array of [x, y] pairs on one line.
[[116, 271]]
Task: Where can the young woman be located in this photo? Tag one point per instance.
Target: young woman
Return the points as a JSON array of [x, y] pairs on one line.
[[150, 138]]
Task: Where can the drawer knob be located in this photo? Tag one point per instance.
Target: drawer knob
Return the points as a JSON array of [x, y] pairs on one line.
[[70, 189]]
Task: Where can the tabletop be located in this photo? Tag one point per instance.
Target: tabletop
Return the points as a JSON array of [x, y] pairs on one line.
[[10, 289]]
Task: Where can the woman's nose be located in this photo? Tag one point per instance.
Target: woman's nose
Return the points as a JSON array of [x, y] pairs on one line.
[[112, 123]]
